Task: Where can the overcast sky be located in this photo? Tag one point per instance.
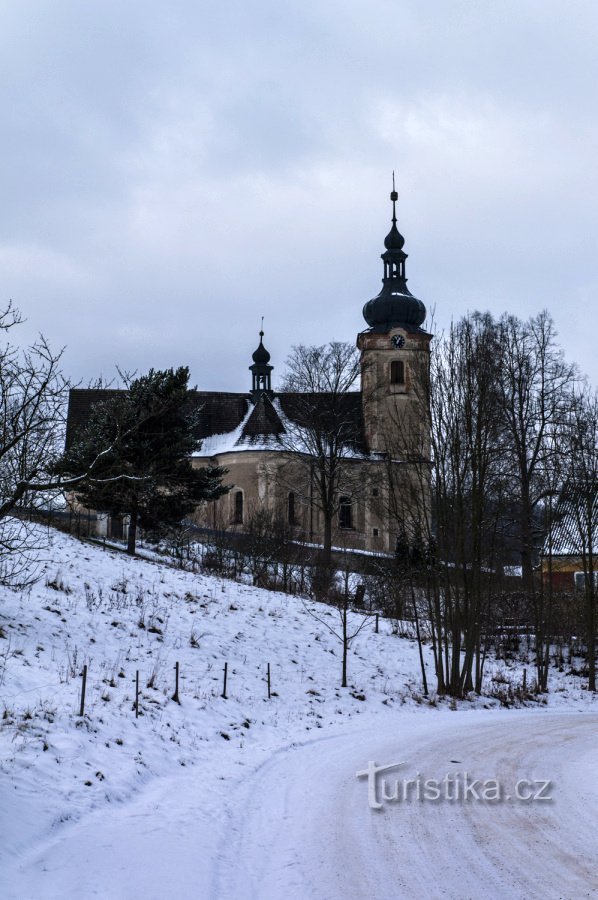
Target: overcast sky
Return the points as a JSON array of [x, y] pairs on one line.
[[173, 171]]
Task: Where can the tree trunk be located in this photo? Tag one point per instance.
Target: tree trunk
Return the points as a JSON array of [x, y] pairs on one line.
[[419, 642], [591, 631], [526, 532], [345, 642], [327, 546]]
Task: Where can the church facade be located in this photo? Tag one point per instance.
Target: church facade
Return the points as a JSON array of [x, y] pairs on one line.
[[268, 440]]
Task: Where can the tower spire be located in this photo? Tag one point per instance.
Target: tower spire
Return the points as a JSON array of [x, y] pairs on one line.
[[394, 240], [394, 305], [261, 370]]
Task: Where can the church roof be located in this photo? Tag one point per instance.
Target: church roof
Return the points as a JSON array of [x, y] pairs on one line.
[[263, 420], [229, 422], [220, 411], [81, 401]]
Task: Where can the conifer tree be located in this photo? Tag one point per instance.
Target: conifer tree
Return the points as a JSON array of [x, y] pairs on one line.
[[147, 473]]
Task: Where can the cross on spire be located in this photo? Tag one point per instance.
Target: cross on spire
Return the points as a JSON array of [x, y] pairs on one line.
[[394, 197]]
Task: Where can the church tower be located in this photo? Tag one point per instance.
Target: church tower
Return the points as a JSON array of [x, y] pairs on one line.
[[395, 359]]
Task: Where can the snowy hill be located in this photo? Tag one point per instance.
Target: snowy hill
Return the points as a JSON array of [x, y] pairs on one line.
[[119, 615]]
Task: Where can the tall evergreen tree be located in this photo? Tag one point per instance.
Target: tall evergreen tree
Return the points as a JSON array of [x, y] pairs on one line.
[[146, 473]]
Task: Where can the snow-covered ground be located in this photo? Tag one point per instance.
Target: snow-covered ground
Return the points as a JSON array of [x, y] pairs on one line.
[[249, 796]]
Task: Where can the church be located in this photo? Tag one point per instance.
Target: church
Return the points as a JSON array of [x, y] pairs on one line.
[[277, 446]]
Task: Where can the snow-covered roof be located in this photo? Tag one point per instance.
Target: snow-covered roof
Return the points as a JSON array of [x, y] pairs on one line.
[[229, 422], [260, 429], [274, 425]]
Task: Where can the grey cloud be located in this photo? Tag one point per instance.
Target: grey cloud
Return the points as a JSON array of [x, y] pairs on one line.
[[171, 172]]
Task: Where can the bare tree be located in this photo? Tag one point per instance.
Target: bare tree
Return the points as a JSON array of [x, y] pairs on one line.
[[347, 629], [536, 384], [33, 393], [579, 510], [268, 548], [467, 495], [498, 399], [446, 500], [322, 432], [33, 403]]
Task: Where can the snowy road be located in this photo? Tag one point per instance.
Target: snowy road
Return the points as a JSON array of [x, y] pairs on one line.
[[299, 827], [305, 829]]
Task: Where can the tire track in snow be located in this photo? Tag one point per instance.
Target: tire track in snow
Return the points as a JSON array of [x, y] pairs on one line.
[[301, 827]]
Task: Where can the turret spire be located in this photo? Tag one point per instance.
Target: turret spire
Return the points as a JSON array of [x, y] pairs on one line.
[[394, 305], [394, 240], [261, 370]]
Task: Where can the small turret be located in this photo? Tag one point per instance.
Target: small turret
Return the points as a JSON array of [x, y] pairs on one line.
[[261, 370]]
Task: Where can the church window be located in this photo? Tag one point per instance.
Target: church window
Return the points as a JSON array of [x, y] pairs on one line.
[[397, 372], [376, 532], [345, 513], [239, 508], [374, 492]]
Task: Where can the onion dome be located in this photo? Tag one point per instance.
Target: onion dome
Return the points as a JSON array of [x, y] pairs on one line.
[[395, 304], [394, 240], [261, 355]]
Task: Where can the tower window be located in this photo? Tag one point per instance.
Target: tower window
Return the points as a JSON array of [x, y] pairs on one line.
[[239, 508], [291, 509], [376, 532], [345, 513], [397, 372]]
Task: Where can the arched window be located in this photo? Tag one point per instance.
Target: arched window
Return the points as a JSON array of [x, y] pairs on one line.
[[291, 510], [397, 372], [345, 513], [239, 508]]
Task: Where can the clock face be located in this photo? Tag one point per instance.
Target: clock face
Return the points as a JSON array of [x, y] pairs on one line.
[[398, 340]]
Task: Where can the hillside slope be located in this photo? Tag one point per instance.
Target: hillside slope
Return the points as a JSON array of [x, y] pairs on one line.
[[120, 615]]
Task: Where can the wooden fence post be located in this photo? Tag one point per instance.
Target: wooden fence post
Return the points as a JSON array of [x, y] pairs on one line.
[[137, 694], [83, 685], [225, 677], [175, 696], [269, 693], [377, 620]]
